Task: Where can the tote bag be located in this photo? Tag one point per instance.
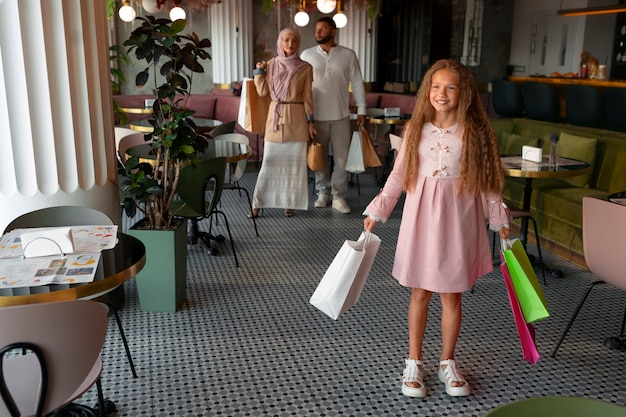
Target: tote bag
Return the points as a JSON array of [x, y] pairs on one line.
[[341, 285], [527, 287], [355, 163], [525, 331], [253, 108]]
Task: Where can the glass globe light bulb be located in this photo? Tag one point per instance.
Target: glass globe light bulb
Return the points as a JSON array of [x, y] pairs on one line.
[[150, 6], [127, 13], [340, 19], [177, 13], [326, 6], [301, 18]]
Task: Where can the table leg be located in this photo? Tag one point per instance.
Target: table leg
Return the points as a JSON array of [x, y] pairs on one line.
[[388, 165], [528, 191]]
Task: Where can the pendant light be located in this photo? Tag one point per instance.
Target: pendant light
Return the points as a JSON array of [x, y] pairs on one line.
[[340, 18], [126, 12], [326, 6], [302, 17], [177, 12]]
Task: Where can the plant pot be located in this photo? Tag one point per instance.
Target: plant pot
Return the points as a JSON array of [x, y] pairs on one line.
[[162, 283]]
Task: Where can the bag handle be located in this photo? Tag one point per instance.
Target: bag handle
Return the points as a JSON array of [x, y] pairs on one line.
[[366, 237]]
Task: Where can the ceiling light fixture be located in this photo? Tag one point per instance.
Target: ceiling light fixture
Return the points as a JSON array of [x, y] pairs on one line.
[[326, 6], [593, 10], [126, 12], [340, 18], [177, 12], [302, 17], [150, 6]]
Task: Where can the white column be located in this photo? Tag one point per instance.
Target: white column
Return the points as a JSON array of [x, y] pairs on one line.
[[56, 117], [231, 40], [360, 35]]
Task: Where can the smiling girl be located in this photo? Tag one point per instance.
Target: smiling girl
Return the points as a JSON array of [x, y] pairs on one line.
[[449, 160]]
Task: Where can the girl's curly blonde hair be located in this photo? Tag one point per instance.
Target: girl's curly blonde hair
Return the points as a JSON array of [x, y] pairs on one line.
[[481, 169]]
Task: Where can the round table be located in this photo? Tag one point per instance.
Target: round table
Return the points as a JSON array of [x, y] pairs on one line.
[[144, 125], [618, 198], [116, 266], [234, 152], [515, 166], [392, 122], [137, 110]]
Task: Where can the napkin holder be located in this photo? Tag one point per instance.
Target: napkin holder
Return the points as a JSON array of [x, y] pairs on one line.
[[391, 111], [47, 242], [530, 153]]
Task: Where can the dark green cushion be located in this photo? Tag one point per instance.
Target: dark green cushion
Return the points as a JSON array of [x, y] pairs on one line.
[[580, 148], [511, 143]]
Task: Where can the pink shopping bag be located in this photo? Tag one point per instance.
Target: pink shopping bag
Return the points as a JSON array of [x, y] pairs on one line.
[[525, 331]]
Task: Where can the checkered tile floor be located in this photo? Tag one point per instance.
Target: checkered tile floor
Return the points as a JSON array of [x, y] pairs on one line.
[[247, 342]]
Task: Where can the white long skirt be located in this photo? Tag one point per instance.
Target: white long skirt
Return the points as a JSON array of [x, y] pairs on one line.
[[283, 179]]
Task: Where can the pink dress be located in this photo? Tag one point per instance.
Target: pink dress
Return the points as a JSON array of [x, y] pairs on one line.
[[442, 243]]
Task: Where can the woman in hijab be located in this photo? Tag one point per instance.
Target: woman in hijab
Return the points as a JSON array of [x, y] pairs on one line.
[[283, 178]]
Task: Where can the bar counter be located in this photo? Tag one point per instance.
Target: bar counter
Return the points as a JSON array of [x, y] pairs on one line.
[[562, 81]]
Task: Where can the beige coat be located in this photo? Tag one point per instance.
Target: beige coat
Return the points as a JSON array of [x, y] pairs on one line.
[[292, 122]]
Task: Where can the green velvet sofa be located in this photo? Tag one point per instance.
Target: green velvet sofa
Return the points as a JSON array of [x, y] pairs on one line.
[[557, 203]]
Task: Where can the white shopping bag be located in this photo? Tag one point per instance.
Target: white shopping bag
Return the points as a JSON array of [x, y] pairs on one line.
[[341, 285], [355, 162]]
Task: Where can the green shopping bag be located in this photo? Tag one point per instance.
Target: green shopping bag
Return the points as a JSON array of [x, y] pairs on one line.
[[529, 292]]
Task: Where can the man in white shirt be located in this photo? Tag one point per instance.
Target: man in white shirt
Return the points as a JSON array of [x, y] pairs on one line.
[[334, 69]]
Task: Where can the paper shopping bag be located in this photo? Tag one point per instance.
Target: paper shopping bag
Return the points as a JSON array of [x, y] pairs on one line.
[[527, 287], [341, 285], [525, 331], [253, 108], [355, 163], [370, 157]]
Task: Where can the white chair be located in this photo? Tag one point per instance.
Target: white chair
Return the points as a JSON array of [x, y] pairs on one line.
[[137, 138], [120, 133], [50, 356], [234, 172], [604, 240]]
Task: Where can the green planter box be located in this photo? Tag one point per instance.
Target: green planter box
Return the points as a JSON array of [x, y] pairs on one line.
[[162, 283]]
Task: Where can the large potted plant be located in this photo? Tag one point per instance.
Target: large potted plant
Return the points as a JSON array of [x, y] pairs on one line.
[[175, 141]]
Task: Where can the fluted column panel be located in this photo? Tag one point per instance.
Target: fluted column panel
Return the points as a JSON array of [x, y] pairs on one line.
[[56, 121], [360, 35], [231, 40]]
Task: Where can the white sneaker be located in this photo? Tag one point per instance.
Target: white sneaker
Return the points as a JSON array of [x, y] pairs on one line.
[[322, 200], [341, 206]]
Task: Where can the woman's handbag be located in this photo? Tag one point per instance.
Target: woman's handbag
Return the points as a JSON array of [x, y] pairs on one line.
[[525, 331], [314, 156], [341, 285], [527, 287]]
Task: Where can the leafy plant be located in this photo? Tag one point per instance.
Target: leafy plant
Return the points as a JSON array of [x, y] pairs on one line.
[[110, 8], [151, 188]]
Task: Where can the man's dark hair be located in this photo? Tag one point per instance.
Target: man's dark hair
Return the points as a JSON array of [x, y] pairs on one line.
[[328, 20]]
